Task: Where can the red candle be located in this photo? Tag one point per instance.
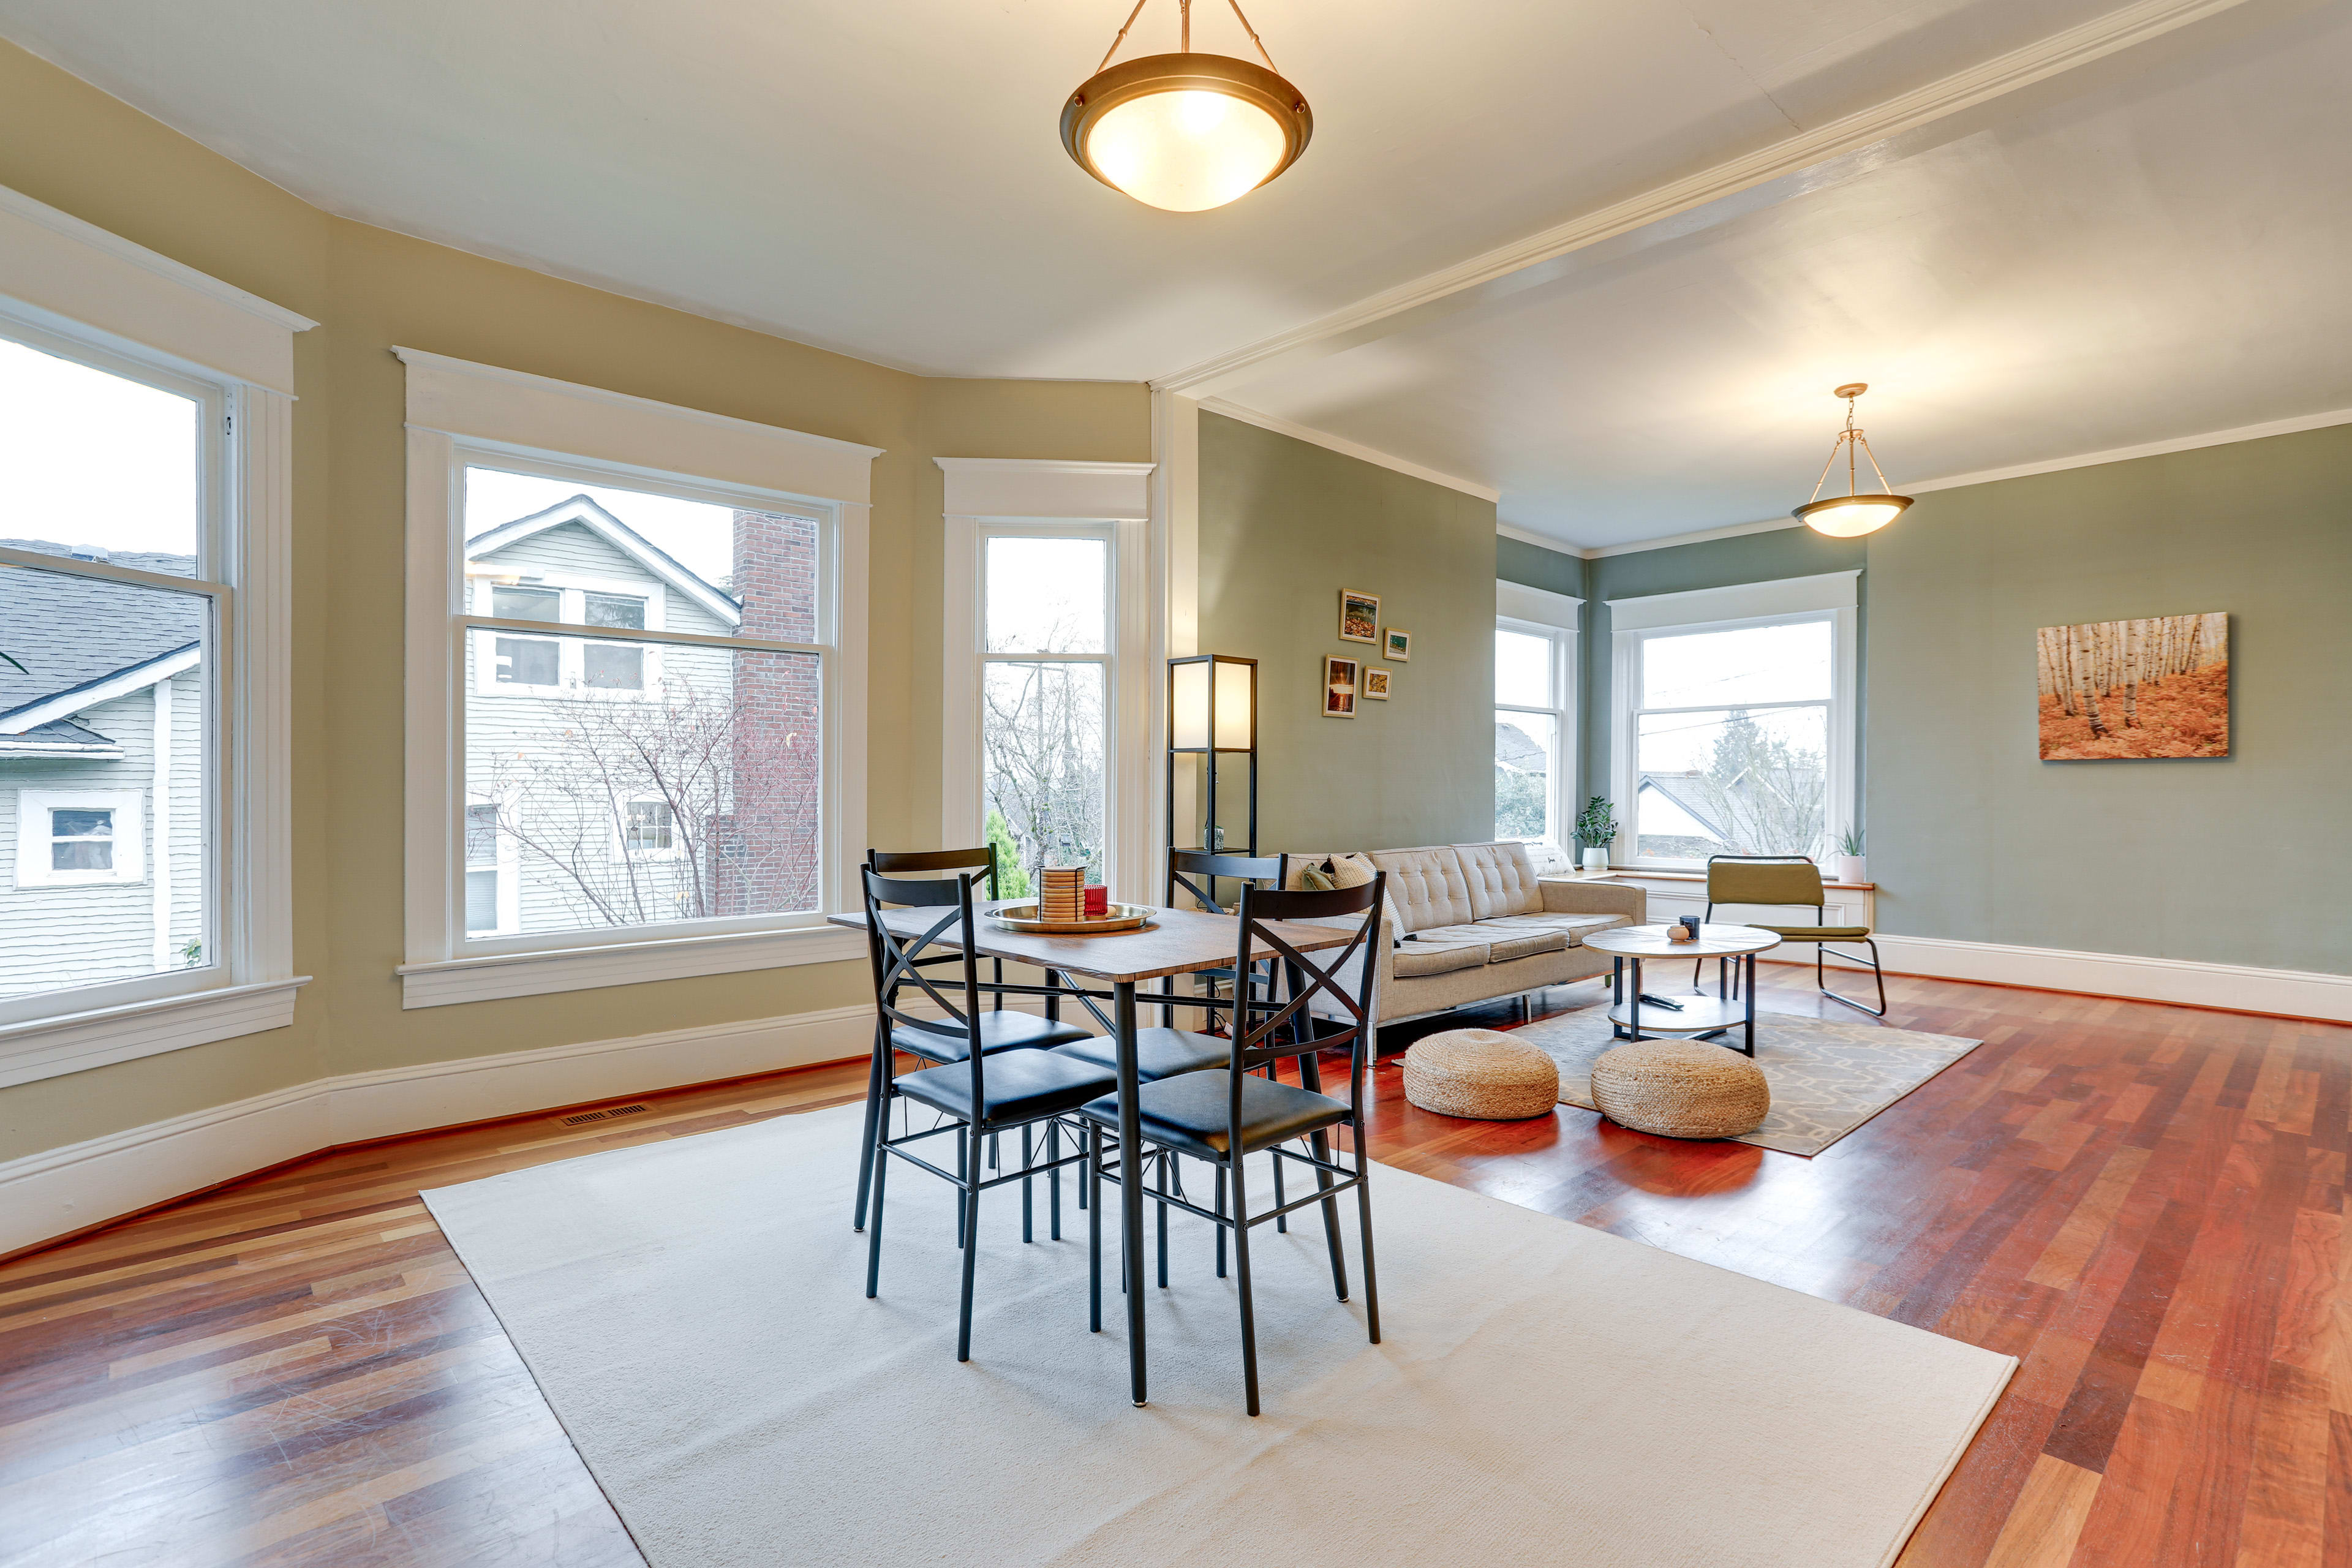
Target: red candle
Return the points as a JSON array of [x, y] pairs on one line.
[[1097, 902]]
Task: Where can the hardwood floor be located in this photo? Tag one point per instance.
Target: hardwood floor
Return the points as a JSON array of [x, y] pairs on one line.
[[2145, 1205]]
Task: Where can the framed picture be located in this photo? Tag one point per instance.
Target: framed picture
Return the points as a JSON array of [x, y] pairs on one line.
[[1376, 686], [1360, 616], [1397, 645], [1339, 687], [2119, 689]]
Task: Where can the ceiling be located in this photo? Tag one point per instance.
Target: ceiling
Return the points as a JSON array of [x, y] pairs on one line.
[[2140, 248]]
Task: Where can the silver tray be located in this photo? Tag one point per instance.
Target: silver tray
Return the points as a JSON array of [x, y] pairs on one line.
[[1122, 917]]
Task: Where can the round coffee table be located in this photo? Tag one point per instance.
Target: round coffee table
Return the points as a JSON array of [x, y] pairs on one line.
[[1633, 1017]]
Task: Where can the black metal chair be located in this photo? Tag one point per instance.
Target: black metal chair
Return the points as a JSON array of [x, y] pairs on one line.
[[977, 1092], [1000, 1029], [1197, 872], [1790, 881], [1223, 1117]]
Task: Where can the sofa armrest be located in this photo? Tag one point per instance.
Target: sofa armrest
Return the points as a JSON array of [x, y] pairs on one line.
[[1596, 898]]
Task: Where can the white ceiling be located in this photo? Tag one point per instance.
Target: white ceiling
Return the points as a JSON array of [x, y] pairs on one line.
[[2141, 246]]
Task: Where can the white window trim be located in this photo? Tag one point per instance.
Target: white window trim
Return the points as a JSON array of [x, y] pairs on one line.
[[127, 833], [461, 412], [1834, 595], [1042, 496], [1542, 613], [94, 290]]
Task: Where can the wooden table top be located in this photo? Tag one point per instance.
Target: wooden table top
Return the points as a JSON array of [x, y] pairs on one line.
[[1652, 941], [1178, 942]]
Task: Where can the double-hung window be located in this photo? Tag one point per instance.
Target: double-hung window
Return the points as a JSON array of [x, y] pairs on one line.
[[1535, 717], [1044, 694], [1736, 735]]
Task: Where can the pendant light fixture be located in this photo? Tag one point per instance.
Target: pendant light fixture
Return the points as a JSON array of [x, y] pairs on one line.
[[1185, 132], [1851, 515]]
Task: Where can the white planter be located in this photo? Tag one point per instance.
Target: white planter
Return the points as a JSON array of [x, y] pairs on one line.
[[1850, 868], [1597, 861]]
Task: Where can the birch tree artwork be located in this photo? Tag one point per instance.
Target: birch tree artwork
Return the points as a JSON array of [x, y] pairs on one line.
[[2154, 688]]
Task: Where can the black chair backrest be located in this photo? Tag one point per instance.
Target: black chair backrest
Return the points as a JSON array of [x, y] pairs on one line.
[[897, 960], [1283, 1026], [904, 862], [1184, 865]]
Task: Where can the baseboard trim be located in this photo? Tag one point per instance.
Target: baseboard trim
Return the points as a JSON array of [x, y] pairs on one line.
[[2177, 982], [58, 1193]]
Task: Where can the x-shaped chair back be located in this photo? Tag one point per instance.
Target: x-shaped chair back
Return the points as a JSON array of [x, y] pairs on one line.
[[897, 960], [1279, 1028]]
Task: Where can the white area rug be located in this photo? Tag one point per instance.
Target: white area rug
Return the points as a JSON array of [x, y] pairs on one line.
[[1544, 1393]]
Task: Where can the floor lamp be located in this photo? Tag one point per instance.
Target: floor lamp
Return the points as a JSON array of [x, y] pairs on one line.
[[1212, 714]]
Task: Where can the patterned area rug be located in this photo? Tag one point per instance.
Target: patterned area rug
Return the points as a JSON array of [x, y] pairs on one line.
[[1828, 1076]]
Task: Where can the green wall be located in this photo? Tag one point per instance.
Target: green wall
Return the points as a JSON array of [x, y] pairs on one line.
[[1533, 566], [1284, 526], [2242, 859], [64, 142]]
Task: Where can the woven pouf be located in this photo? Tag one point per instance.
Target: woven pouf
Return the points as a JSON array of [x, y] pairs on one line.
[[1480, 1074], [1680, 1089]]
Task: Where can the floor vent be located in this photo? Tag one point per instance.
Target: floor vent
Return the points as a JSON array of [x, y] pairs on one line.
[[607, 1114]]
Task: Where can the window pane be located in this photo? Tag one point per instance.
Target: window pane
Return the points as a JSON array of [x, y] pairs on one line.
[[103, 796], [607, 669], [523, 661], [481, 835], [724, 571], [527, 604], [616, 610], [1525, 744], [1733, 783], [1042, 737], [726, 741], [1753, 664], [1523, 670], [481, 902], [95, 465], [1046, 595], [649, 824]]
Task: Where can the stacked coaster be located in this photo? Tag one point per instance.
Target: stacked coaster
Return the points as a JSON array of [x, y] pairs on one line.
[[1062, 892]]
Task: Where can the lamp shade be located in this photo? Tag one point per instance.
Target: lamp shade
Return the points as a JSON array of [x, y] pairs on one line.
[[1850, 517], [1191, 684], [1187, 132]]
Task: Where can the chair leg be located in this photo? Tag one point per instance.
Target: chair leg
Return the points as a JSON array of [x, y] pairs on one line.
[[1028, 1223], [963, 1172], [994, 1139], [1321, 1144], [1242, 1273], [874, 1230], [1220, 1229], [1054, 1194], [1092, 1187], [1164, 1158], [969, 1202], [1364, 1222], [873, 1113], [1820, 978]]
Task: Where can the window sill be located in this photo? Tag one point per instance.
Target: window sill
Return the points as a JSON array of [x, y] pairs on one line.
[[49, 1047], [444, 983]]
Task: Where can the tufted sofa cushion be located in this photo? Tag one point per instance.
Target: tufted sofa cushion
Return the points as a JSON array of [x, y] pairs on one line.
[[1426, 887], [1501, 880]]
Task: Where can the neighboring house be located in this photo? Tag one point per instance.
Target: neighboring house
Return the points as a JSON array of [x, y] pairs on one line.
[[101, 775], [613, 781]]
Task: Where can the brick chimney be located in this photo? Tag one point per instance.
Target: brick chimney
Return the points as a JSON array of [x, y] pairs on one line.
[[769, 856]]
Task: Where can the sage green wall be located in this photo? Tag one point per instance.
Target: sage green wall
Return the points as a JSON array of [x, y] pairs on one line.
[[1284, 526], [2242, 859], [1533, 566], [66, 143]]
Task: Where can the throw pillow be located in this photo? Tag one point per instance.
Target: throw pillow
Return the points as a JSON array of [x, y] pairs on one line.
[[1313, 879], [1300, 865], [1351, 871]]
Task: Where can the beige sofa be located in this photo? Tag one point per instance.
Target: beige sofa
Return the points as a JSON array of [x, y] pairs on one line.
[[1475, 924]]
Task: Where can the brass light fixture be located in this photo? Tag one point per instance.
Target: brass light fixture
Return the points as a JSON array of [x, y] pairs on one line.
[[1185, 132], [1851, 515]]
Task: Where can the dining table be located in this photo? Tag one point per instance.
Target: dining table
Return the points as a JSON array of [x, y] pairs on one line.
[[1172, 943]]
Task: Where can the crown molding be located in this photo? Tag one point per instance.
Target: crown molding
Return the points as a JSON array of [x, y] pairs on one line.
[[2060, 52], [2146, 449], [1346, 447], [1540, 540]]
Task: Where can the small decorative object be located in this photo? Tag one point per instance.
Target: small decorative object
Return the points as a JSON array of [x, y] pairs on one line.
[[1360, 616], [1596, 829], [1061, 892], [1397, 644], [1098, 901], [1684, 930], [1850, 867], [2155, 687], [1339, 687], [1376, 685], [1026, 917], [1853, 514]]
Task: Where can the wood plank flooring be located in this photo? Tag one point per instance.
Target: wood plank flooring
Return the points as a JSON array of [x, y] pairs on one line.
[[2145, 1205]]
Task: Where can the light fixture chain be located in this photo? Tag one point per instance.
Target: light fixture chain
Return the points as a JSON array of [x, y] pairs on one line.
[[1115, 43], [1253, 38], [1883, 485]]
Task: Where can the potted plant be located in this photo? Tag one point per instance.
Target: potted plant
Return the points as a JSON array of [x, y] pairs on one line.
[[1596, 829], [1848, 866]]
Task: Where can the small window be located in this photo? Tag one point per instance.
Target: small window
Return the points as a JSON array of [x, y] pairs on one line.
[[81, 840], [482, 870], [527, 604], [609, 667], [650, 828], [73, 837], [526, 661], [616, 610]]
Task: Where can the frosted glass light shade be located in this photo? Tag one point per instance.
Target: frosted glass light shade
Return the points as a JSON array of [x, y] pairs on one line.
[[1186, 152], [1850, 517], [1185, 132], [1189, 725]]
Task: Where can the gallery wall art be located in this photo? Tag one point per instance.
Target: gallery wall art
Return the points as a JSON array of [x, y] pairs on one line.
[[2113, 690], [1360, 616], [1339, 687]]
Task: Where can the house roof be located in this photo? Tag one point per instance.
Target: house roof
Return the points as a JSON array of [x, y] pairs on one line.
[[84, 640], [1696, 803], [622, 537]]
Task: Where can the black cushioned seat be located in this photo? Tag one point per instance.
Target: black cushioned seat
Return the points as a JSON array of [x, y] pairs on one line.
[[1159, 1053], [1020, 1085], [1189, 1114], [1003, 1030]]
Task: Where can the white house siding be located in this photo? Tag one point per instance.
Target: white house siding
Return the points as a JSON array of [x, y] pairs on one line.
[[51, 937], [501, 729]]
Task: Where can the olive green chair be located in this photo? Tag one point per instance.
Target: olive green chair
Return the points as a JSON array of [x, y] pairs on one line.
[[1787, 880]]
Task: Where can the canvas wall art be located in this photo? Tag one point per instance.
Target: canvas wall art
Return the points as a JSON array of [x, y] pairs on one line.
[[1360, 616], [1376, 685], [1339, 687], [2153, 687]]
